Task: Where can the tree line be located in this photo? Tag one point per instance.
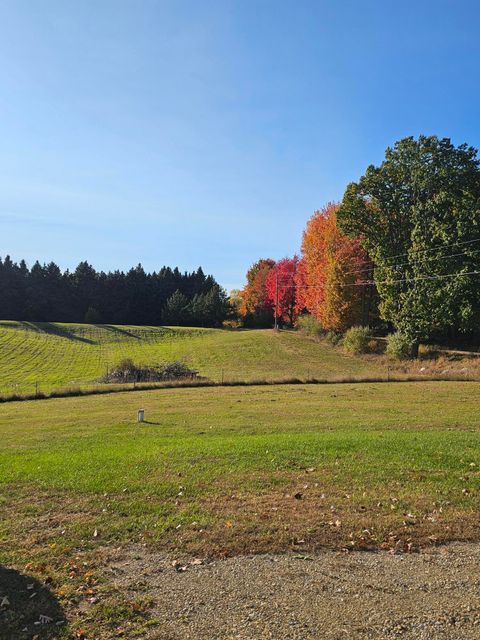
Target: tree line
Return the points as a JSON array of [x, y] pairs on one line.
[[46, 293], [401, 250]]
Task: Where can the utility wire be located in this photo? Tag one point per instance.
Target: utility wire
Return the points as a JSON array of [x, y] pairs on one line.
[[372, 282], [437, 277], [443, 246], [395, 266], [401, 264]]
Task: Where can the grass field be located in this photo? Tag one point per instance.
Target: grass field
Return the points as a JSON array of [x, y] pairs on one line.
[[416, 443], [55, 355], [220, 471], [214, 471]]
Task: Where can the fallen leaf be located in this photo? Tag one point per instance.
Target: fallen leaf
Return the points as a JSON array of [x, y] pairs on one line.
[[178, 566]]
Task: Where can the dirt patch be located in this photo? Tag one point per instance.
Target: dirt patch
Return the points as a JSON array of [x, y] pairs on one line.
[[331, 595], [302, 518]]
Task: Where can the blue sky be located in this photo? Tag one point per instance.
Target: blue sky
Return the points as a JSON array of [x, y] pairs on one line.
[[206, 133]]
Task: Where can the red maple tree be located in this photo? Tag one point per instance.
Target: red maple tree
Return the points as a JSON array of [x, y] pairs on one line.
[[282, 290]]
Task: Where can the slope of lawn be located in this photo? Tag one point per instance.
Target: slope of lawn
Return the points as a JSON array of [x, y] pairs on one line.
[[55, 355], [227, 470]]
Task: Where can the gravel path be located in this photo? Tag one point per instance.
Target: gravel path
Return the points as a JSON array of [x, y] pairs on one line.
[[434, 595]]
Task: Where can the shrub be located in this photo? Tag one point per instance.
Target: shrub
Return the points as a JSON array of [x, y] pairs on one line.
[[356, 340], [231, 324], [310, 325], [398, 346], [127, 371], [333, 338]]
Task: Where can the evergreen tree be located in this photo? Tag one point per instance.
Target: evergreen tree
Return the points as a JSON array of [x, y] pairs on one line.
[[211, 308], [177, 310], [44, 293]]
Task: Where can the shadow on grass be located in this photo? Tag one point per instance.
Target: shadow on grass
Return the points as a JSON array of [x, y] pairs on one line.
[[27, 608], [55, 330], [117, 329]]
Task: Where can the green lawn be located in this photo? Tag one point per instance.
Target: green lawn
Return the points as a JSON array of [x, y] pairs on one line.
[[415, 441], [57, 355], [228, 470]]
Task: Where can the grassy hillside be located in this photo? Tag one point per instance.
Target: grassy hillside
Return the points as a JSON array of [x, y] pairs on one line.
[[56, 355]]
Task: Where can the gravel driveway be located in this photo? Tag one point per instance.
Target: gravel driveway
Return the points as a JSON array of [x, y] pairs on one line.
[[434, 595]]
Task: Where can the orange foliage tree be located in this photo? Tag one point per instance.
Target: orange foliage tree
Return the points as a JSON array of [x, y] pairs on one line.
[[256, 308], [330, 273]]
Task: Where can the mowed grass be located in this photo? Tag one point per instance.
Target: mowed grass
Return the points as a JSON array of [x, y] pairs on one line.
[[217, 470], [54, 355], [220, 471]]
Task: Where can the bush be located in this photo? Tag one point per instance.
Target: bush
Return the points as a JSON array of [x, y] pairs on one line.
[[356, 340], [398, 346], [231, 324], [127, 371], [333, 338], [310, 325]]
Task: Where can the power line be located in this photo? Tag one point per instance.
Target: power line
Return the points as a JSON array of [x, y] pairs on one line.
[[399, 255], [372, 282], [394, 266], [400, 264], [443, 246], [437, 277]]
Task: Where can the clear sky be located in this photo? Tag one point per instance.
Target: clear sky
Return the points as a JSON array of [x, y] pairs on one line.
[[206, 133]]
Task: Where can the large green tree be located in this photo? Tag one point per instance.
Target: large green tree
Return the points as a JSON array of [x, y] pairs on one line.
[[418, 215]]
